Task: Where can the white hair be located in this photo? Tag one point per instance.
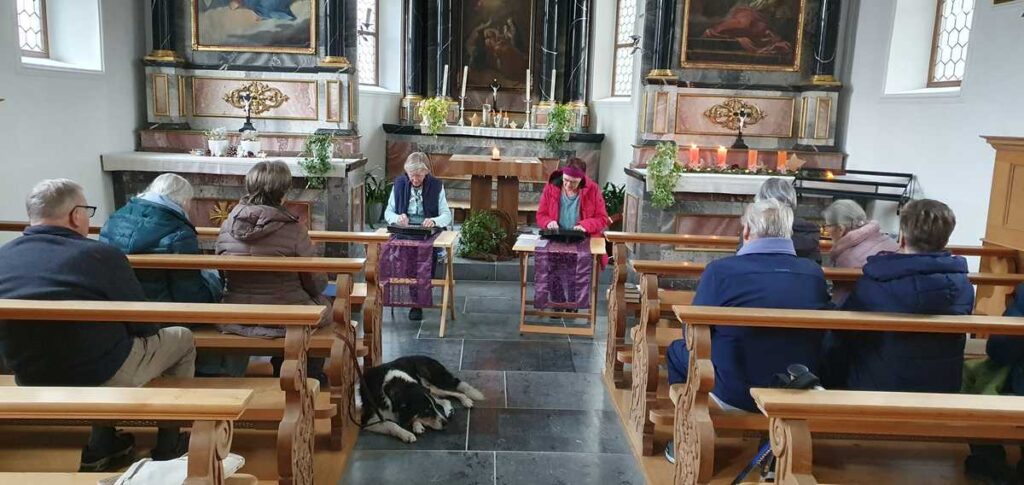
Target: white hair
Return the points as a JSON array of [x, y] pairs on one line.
[[51, 199], [778, 189], [417, 162], [174, 187], [844, 213], [768, 218]]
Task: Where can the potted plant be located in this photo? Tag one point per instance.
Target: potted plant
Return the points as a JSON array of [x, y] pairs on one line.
[[662, 173], [486, 236], [377, 194], [434, 113], [317, 161], [614, 198], [559, 124], [217, 141], [250, 143]]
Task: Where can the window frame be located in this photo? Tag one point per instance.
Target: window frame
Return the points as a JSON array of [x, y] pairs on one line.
[[44, 23], [931, 82], [376, 44], [615, 52]]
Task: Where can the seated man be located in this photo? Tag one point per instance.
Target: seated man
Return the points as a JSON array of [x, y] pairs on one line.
[[765, 273], [418, 198], [54, 260], [921, 278]]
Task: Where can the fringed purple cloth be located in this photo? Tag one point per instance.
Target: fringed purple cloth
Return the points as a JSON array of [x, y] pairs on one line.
[[405, 272], [562, 277]]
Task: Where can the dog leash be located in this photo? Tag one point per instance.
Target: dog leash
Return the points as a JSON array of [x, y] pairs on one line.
[[362, 384]]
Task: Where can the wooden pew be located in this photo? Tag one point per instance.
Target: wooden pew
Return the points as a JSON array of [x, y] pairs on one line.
[[211, 413], [793, 413], [697, 419], [295, 430]]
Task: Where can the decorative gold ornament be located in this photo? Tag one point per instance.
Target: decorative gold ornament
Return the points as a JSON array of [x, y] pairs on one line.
[[727, 115], [264, 97], [220, 211]]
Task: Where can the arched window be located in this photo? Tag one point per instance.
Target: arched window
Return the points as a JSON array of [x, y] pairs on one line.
[[622, 65], [953, 20], [32, 33], [367, 22]]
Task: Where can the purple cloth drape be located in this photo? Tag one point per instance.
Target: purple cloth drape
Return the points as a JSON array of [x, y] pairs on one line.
[[562, 276], [405, 272]]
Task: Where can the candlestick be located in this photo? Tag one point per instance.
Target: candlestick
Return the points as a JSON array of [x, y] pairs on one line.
[[723, 155], [465, 73], [527, 84], [783, 159], [444, 83], [751, 159], [462, 108], [694, 156], [529, 111], [551, 95]]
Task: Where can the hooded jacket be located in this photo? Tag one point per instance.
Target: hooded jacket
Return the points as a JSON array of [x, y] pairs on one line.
[[145, 227], [593, 213], [927, 284], [853, 249], [259, 230]]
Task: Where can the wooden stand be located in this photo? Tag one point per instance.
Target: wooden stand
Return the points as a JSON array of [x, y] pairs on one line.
[[597, 249], [508, 171], [446, 241]]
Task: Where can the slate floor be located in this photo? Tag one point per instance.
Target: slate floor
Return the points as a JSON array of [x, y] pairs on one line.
[[547, 418]]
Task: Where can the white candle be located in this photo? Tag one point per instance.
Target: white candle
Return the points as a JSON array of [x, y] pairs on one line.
[[527, 84], [551, 95], [465, 73], [444, 82], [368, 12]]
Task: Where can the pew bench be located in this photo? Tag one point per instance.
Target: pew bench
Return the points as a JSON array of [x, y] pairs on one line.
[[289, 407], [210, 413], [697, 419], [92, 478], [793, 414]]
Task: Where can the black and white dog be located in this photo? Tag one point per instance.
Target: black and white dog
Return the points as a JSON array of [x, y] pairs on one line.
[[402, 397]]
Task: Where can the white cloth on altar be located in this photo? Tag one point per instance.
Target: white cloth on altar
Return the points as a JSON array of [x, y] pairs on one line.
[[187, 163], [719, 183]]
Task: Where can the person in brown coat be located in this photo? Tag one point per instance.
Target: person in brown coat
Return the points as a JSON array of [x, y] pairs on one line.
[[260, 226]]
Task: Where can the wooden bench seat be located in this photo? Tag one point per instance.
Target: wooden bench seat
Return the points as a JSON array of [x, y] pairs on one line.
[[38, 478], [793, 414]]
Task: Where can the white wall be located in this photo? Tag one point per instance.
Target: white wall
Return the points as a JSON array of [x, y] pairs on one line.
[[615, 117], [57, 123], [937, 137]]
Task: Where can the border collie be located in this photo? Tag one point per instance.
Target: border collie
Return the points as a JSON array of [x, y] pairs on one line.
[[402, 397]]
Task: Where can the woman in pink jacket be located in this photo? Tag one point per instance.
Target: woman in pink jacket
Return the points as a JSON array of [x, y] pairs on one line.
[[571, 200], [855, 239]]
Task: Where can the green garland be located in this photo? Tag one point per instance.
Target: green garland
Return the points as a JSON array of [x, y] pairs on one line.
[[317, 162], [733, 170], [559, 122], [663, 171], [434, 111]]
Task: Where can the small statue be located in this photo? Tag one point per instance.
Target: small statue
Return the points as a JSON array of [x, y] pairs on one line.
[[495, 86], [513, 125], [473, 120], [247, 102]]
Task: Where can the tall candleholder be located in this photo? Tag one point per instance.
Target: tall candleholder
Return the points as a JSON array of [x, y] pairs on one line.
[[529, 114], [462, 110]]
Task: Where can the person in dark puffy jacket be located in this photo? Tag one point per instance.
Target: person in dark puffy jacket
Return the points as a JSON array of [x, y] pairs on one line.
[[156, 222], [806, 235], [921, 278]]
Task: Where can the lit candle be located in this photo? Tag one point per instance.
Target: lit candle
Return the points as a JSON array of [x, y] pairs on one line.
[[527, 84], [783, 159], [551, 95], [751, 159], [723, 154], [495, 154], [694, 156], [465, 73], [444, 83]]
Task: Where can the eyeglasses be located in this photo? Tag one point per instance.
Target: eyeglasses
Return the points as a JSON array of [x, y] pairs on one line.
[[89, 209]]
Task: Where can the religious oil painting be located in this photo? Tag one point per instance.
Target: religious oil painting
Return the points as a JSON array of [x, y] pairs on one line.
[[497, 42], [254, 25], [743, 34]]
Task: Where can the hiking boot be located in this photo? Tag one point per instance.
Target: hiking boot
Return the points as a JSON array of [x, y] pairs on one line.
[[415, 314], [109, 459], [164, 454]]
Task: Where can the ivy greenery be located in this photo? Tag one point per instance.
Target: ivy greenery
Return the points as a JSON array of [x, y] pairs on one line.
[[614, 197], [317, 161], [559, 122], [434, 112], [663, 172], [481, 236]]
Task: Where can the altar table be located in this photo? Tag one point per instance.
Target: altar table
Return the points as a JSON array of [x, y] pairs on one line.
[[508, 170], [525, 246]]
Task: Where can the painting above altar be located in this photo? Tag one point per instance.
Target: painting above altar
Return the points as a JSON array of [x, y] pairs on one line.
[[743, 34], [497, 40], [254, 25]]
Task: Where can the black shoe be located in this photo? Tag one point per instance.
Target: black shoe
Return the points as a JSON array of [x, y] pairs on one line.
[[159, 454], [415, 314], [987, 470], [110, 459]]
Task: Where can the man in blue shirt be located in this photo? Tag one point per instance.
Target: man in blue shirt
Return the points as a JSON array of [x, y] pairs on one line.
[[765, 273]]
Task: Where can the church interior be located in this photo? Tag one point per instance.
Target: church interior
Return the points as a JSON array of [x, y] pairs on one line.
[[511, 242]]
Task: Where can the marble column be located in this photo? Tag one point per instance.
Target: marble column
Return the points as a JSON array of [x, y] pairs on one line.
[[577, 55], [444, 44], [549, 50], [415, 50], [163, 32], [661, 42], [826, 42], [334, 35]]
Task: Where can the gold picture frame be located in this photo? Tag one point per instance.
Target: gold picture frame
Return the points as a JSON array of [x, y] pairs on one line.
[[797, 38], [199, 45]]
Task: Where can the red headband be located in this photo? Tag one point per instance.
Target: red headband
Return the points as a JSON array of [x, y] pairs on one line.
[[574, 172]]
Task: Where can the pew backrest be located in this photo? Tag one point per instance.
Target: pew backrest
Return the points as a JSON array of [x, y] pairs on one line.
[[126, 404]]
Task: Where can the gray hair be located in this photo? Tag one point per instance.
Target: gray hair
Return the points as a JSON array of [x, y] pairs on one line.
[[174, 187], [51, 199], [768, 218], [417, 162], [844, 213], [777, 189]]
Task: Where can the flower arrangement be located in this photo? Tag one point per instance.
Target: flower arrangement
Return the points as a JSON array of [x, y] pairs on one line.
[[217, 134], [434, 113], [250, 135], [317, 162], [663, 171]]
